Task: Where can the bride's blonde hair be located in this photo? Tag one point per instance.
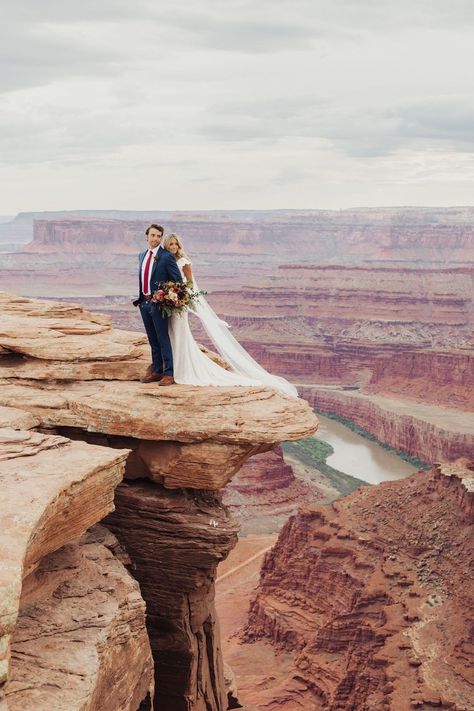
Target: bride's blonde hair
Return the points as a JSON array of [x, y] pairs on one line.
[[180, 253]]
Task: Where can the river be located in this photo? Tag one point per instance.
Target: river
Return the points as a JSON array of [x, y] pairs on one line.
[[358, 456]]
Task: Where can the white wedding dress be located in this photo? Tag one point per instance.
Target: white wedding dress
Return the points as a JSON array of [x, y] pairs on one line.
[[193, 367]]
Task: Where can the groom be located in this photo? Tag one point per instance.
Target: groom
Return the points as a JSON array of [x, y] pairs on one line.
[[156, 265]]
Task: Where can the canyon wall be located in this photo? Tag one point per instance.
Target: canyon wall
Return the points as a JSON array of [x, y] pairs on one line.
[[265, 492], [422, 430], [425, 235], [390, 331], [66, 598], [347, 324], [417, 237], [371, 596]]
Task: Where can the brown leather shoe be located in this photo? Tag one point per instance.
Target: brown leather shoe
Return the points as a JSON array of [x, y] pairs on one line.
[[151, 377], [167, 380]]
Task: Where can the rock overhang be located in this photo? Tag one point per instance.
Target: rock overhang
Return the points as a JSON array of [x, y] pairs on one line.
[[214, 428]]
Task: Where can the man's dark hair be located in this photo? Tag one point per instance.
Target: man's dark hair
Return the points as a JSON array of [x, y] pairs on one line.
[[157, 227]]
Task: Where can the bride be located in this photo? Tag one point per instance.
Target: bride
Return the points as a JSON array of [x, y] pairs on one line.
[[191, 365]]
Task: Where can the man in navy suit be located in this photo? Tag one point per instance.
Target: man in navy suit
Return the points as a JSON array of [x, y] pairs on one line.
[[156, 265]]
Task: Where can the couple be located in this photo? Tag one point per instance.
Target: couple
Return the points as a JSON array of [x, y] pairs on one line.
[[176, 357]]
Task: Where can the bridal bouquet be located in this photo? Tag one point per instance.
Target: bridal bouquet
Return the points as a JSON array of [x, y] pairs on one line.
[[175, 297]]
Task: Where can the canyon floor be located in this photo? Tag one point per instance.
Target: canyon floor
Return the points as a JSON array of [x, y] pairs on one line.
[[258, 667]]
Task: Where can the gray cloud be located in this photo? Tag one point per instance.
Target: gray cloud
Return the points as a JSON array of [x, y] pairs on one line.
[[358, 131], [30, 11], [236, 33], [275, 101], [445, 119]]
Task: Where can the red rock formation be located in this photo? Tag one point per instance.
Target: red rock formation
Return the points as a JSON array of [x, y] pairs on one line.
[[52, 364], [176, 540], [375, 293], [422, 430], [406, 234], [371, 594], [347, 324], [402, 236], [396, 329], [413, 376], [72, 627], [265, 491], [390, 331], [104, 237], [80, 641]]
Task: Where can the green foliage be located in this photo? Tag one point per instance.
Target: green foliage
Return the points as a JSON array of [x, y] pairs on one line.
[[414, 461], [313, 452]]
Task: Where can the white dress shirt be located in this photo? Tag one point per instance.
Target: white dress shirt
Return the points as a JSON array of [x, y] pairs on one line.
[[146, 287]]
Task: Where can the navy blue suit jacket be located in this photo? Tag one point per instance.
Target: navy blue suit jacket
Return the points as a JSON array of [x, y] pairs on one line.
[[164, 269]]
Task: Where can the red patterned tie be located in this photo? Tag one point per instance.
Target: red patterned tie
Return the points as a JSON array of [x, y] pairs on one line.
[[146, 283]]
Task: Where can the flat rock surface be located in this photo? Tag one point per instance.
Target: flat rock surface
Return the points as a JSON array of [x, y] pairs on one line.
[[185, 413], [63, 332], [58, 368]]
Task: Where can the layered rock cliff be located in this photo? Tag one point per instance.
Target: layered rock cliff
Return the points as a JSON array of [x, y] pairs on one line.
[[382, 301], [65, 597], [394, 331], [361, 325], [244, 245], [70, 381], [265, 492], [424, 431], [371, 595], [441, 235]]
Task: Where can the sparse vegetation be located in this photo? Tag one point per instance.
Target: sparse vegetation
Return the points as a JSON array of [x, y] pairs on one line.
[[414, 461], [313, 452]]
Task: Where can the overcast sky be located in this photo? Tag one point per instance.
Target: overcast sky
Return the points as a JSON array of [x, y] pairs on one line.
[[149, 104]]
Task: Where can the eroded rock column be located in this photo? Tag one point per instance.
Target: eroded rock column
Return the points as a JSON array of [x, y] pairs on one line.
[[176, 538]]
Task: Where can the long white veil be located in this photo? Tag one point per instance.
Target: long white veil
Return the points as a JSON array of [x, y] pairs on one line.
[[230, 349]]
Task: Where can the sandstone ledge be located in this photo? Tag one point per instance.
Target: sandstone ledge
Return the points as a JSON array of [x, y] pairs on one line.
[[208, 432], [16, 419], [183, 413], [81, 642], [52, 491], [68, 368]]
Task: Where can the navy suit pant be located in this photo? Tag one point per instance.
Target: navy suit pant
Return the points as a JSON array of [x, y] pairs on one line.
[[156, 327]]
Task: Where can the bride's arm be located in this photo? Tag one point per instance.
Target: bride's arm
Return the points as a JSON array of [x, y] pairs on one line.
[[188, 273]]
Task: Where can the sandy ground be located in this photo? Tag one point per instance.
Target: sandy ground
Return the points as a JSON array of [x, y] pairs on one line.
[[256, 666]]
